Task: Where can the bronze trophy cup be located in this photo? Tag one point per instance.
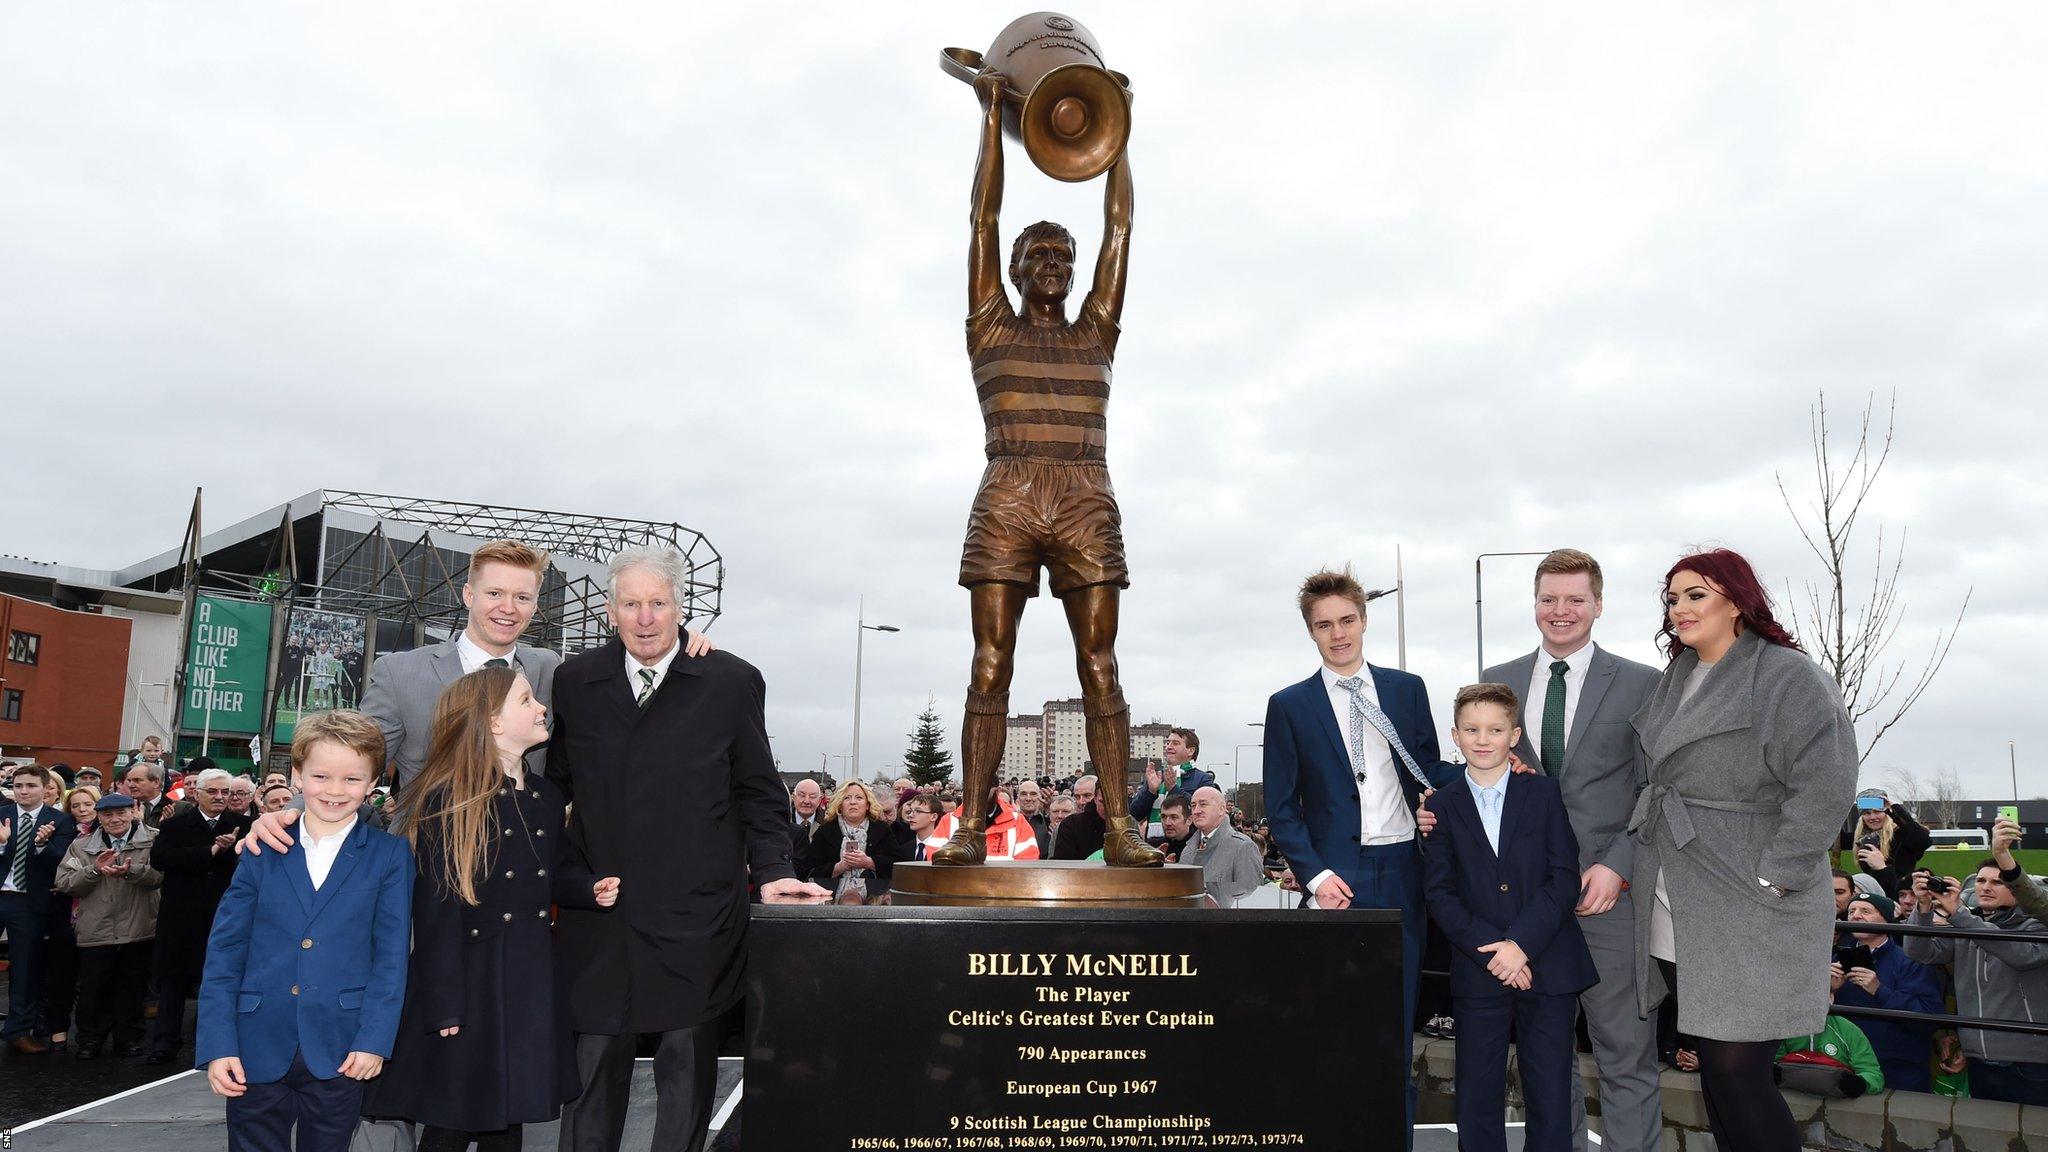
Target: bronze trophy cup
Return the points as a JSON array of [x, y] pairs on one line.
[[1061, 102]]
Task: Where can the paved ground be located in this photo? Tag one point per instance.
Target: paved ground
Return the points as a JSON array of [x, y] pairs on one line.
[[32, 1086], [180, 1114]]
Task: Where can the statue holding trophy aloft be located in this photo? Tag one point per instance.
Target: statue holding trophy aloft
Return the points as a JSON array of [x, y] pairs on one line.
[[1045, 500]]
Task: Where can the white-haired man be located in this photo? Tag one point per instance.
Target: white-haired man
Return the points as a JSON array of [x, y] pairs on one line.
[[195, 850], [804, 801], [241, 795], [1232, 866], [1056, 813], [675, 792]]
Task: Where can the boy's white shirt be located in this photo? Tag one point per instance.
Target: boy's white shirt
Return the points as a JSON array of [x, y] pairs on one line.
[[321, 851]]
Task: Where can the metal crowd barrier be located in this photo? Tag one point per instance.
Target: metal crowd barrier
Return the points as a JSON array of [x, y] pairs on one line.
[[1940, 1019], [2029, 1027]]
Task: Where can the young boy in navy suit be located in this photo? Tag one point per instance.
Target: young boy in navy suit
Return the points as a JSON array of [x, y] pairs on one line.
[[1501, 876], [305, 969]]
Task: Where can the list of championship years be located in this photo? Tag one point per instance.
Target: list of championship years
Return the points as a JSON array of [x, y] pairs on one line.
[[1095, 1063]]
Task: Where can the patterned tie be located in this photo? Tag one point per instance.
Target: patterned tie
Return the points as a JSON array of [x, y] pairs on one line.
[[496, 662], [1365, 712], [23, 843], [646, 687], [1553, 721]]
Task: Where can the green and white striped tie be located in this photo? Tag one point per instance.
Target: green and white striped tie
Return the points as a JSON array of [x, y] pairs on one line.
[[21, 846], [646, 687]]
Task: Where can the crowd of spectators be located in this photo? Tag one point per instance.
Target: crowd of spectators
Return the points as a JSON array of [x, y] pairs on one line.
[[1986, 975], [852, 841], [108, 896], [118, 892], [108, 910]]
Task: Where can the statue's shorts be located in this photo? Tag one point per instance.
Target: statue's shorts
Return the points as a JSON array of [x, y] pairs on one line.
[[1057, 514]]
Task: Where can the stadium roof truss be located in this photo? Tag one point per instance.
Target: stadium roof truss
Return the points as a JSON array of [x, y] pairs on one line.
[[407, 576]]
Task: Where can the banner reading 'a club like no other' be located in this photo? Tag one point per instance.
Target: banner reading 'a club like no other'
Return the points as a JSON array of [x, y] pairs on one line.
[[225, 666]]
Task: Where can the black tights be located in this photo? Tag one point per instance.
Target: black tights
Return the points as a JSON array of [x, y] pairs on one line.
[[1744, 1107], [434, 1139]]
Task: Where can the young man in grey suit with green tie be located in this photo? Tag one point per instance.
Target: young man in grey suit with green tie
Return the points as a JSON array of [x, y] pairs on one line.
[[1577, 700]]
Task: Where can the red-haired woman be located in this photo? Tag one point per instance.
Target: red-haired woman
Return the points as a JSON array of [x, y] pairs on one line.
[[1752, 762]]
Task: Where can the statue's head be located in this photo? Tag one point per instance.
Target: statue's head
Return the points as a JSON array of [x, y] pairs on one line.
[[1042, 263]]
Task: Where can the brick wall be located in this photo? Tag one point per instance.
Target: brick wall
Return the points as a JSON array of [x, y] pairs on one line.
[[71, 696]]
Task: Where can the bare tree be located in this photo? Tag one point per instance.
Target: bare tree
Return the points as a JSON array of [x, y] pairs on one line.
[[1947, 797], [1849, 634], [1902, 786]]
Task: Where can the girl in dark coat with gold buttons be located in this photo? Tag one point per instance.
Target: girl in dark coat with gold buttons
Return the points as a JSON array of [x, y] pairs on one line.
[[484, 1045]]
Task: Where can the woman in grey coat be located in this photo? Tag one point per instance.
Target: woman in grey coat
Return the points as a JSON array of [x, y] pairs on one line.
[[1752, 762]]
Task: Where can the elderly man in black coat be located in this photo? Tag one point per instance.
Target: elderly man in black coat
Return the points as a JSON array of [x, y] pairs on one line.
[[666, 761], [195, 850]]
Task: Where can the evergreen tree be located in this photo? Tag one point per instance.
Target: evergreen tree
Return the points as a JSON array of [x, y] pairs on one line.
[[927, 762]]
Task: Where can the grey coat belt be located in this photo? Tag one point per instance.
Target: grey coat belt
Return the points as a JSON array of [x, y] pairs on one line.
[[1676, 808]]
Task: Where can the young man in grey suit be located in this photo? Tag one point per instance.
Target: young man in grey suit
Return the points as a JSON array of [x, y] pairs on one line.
[[501, 593], [1577, 700]]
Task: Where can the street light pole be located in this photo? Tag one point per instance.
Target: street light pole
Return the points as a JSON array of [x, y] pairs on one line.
[[1400, 613], [1237, 781], [1237, 788], [1479, 601], [861, 629], [2012, 757]]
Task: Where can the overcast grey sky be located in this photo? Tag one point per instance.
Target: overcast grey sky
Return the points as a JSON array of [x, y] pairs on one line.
[[1457, 277]]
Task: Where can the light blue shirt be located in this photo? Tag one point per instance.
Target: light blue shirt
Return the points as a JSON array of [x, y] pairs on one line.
[[1489, 802]]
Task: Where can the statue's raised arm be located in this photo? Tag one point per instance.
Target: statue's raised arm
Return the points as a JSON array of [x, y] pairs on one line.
[[1113, 262], [985, 244]]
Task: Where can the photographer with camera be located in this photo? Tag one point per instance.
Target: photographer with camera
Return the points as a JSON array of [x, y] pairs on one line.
[[1995, 979], [1888, 841], [1872, 972]]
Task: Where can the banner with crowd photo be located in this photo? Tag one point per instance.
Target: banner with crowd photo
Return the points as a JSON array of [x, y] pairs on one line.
[[225, 661], [320, 668]]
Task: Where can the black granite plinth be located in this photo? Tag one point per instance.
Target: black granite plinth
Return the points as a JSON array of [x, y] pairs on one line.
[[955, 1028]]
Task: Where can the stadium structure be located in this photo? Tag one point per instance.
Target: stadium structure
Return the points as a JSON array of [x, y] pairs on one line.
[[401, 560], [296, 602]]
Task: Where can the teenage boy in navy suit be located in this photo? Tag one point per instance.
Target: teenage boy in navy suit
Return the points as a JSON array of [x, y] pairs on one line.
[[1501, 875], [1350, 754], [305, 969]]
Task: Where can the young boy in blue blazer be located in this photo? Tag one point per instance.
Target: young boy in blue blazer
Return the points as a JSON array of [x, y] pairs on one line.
[[305, 969], [1501, 877]]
